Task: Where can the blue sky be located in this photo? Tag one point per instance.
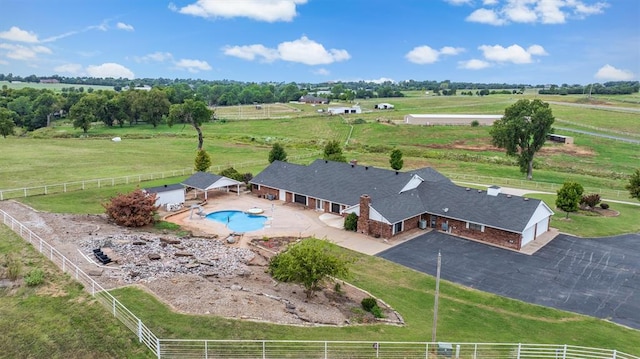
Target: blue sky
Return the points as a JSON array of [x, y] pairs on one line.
[[512, 41]]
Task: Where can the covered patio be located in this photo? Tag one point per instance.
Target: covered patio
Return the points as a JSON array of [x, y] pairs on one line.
[[205, 182]]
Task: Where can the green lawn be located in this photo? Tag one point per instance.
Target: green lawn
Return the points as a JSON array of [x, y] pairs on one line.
[[588, 225], [56, 319], [465, 315]]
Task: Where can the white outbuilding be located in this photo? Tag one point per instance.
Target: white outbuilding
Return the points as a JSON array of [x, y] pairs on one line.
[[169, 194]]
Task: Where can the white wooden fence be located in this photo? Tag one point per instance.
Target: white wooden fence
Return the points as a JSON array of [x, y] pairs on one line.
[[267, 349]]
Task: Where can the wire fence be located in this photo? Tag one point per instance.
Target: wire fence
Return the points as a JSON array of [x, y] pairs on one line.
[[605, 193], [117, 309], [82, 185], [267, 349]]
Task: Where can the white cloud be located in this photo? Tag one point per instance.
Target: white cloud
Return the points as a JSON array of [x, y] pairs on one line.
[[22, 52], [19, 35], [192, 66], [74, 69], [2, 62], [123, 26], [250, 52], [261, 10], [610, 73], [448, 50], [422, 55], [381, 80], [473, 64], [537, 50], [514, 53], [310, 52], [302, 50], [155, 57], [109, 69], [486, 16], [519, 11], [495, 12], [322, 72], [459, 2]]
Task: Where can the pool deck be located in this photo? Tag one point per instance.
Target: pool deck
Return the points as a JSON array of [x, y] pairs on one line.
[[283, 219]]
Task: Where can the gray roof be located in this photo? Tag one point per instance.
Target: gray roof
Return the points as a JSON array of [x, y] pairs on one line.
[[165, 188], [201, 180], [344, 183]]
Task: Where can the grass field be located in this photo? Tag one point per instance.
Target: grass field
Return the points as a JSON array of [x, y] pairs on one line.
[[56, 319], [53, 87], [62, 154]]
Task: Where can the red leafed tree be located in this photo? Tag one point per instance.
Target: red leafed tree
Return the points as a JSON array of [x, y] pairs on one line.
[[135, 209]]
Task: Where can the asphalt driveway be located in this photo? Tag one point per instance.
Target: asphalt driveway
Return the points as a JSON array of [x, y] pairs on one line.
[[598, 277]]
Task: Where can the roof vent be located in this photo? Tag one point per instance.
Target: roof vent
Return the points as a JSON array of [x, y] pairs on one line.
[[526, 199], [366, 167], [508, 196], [396, 173], [352, 165], [468, 189], [479, 191]]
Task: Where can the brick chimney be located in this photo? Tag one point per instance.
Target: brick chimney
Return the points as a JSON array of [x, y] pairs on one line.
[[363, 219]]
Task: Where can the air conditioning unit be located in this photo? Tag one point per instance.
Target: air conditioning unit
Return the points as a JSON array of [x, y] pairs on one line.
[[423, 224]]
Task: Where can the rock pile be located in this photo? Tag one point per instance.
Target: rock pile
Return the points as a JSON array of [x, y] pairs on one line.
[[142, 258]]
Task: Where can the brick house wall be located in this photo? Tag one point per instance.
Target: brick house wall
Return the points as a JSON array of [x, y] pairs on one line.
[[490, 235], [363, 225]]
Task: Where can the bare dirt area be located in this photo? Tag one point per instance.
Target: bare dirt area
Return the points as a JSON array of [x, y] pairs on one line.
[[202, 275], [568, 149]]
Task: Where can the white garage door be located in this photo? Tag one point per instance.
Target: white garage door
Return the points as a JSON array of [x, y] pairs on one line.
[[527, 236], [543, 226]]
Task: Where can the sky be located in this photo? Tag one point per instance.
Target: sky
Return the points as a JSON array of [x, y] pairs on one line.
[[313, 41]]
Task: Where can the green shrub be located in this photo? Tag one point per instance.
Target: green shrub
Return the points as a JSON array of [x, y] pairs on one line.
[[34, 277], [368, 304], [475, 123], [377, 312], [604, 205], [590, 200], [351, 222], [358, 121]]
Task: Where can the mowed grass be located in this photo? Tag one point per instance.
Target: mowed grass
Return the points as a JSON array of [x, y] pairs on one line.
[[56, 319], [590, 225], [53, 87], [464, 315]]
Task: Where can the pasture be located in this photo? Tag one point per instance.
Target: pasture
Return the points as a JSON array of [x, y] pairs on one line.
[[53, 87]]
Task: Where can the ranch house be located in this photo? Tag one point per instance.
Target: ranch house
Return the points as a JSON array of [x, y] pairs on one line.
[[390, 202]]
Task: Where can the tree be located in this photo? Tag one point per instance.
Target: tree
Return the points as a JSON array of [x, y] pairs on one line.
[[569, 197], [135, 209], [277, 153], [191, 112], [83, 113], [44, 107], [203, 161], [310, 263], [7, 124], [523, 130], [396, 160], [634, 185], [333, 152], [351, 222]]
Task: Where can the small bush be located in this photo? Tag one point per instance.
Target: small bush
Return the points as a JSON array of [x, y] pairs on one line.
[[338, 288], [475, 123], [377, 312], [14, 267], [368, 304], [590, 200], [604, 205], [34, 277], [351, 222], [358, 121]]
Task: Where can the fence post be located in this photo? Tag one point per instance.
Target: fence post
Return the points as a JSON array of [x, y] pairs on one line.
[[206, 349], [158, 347], [518, 355], [564, 352], [139, 330], [25, 192], [475, 350], [326, 350], [614, 354], [264, 350], [45, 190]]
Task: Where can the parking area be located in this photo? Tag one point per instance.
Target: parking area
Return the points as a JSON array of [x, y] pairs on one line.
[[598, 277]]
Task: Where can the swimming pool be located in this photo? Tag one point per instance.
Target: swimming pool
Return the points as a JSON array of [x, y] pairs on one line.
[[238, 221]]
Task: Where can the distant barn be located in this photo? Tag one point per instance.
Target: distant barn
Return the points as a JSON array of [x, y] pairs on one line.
[[449, 119], [384, 106], [344, 110]]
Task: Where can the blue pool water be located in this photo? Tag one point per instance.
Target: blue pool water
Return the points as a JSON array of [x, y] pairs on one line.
[[238, 221]]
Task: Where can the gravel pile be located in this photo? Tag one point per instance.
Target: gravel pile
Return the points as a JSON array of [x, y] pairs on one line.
[[142, 258]]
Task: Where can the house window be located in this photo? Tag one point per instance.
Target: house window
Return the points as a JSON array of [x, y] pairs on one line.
[[475, 227], [397, 228], [335, 207]]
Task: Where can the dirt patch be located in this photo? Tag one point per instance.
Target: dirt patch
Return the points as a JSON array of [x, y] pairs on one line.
[[568, 149], [194, 275]]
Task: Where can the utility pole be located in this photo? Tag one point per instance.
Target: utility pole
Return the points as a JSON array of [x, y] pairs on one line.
[[435, 303]]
